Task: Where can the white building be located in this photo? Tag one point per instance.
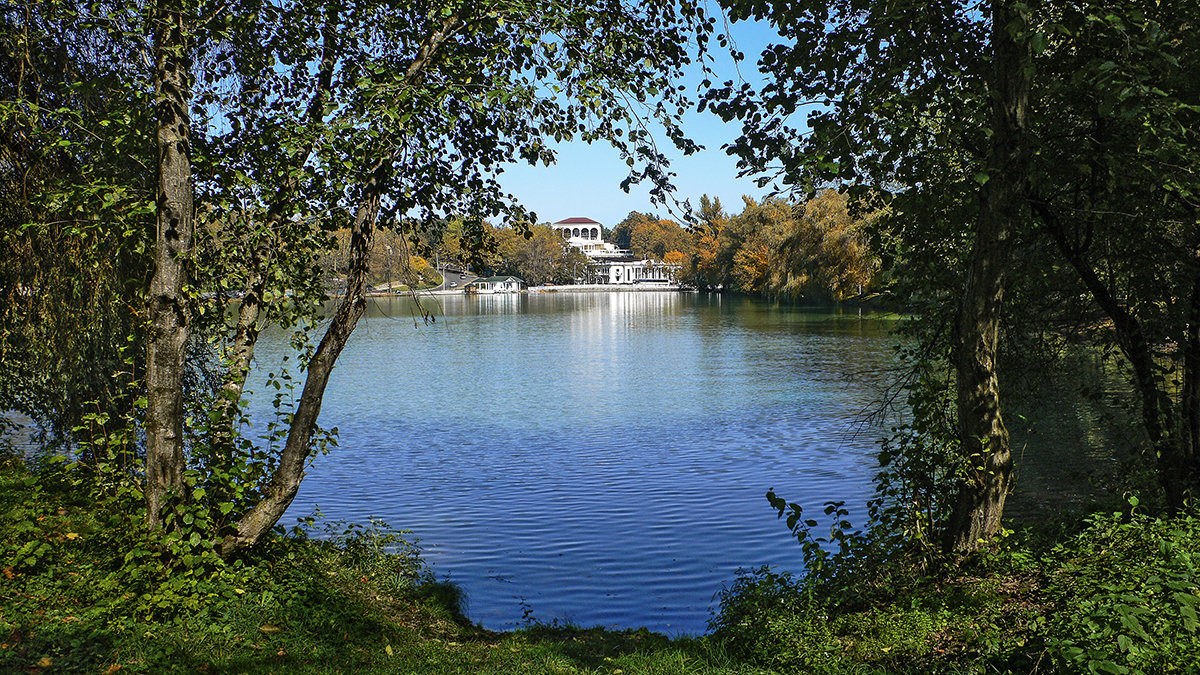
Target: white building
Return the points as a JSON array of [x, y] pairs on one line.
[[607, 263], [487, 285]]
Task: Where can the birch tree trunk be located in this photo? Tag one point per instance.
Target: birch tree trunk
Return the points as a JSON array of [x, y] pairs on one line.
[[287, 476], [286, 479], [168, 308]]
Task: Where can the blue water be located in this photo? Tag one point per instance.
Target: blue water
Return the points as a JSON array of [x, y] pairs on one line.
[[598, 458]]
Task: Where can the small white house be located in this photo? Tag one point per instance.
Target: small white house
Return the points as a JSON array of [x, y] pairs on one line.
[[496, 285]]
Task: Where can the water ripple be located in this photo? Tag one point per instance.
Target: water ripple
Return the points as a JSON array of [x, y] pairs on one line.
[[600, 459]]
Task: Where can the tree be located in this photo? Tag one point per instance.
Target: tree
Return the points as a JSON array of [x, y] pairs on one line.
[[707, 237], [982, 434], [813, 251], [910, 118], [751, 242], [1095, 184], [622, 234], [73, 209], [486, 68], [653, 238], [828, 255], [277, 124], [168, 307], [542, 257], [1118, 197]]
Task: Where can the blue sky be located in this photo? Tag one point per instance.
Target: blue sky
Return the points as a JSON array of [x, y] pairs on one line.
[[586, 180]]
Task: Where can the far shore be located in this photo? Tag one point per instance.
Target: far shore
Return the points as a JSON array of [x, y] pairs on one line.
[[575, 288]]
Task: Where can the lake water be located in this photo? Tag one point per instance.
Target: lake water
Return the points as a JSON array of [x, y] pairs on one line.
[[598, 458]]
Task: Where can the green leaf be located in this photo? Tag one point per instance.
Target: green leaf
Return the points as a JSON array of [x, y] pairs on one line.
[[1039, 42], [1124, 643]]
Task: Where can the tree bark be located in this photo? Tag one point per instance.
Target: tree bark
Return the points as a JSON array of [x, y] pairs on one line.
[[982, 434], [168, 307]]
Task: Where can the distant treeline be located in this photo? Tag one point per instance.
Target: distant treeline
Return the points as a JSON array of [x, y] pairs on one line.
[[812, 250], [396, 255], [801, 250]]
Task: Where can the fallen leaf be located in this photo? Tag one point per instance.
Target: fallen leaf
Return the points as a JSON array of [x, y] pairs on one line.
[[388, 649], [269, 628], [46, 662]]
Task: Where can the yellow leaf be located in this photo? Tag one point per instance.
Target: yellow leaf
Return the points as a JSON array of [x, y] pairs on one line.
[[388, 649], [269, 628], [46, 662], [72, 535]]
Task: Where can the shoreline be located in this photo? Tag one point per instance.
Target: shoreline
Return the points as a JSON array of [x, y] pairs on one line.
[[575, 288]]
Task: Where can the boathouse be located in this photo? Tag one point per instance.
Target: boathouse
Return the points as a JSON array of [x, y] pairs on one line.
[[507, 284]]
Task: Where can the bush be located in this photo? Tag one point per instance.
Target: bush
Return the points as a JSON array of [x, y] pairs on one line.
[[773, 620], [1126, 593], [776, 620], [86, 585]]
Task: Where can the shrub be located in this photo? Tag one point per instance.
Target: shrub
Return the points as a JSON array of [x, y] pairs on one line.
[[776, 620], [772, 619], [1126, 593]]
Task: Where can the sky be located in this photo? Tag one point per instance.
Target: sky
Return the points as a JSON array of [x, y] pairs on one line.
[[586, 180]]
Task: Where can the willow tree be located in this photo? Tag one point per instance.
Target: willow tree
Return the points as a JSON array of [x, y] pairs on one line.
[[74, 196], [936, 127]]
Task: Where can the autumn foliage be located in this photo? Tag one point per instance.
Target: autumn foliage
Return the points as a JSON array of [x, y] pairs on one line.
[[812, 250]]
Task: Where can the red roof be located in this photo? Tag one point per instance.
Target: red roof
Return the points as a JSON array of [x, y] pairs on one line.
[[577, 221]]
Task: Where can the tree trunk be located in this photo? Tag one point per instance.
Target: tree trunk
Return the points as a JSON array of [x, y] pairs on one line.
[[982, 434], [286, 479], [1180, 475], [168, 307], [241, 353], [1175, 455]]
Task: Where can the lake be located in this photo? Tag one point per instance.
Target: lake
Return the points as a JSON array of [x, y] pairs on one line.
[[596, 458]]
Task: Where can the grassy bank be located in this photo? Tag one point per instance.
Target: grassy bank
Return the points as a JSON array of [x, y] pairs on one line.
[[83, 590]]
